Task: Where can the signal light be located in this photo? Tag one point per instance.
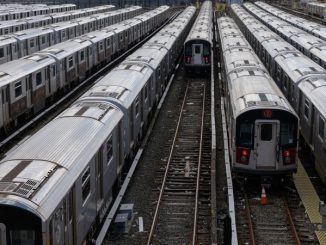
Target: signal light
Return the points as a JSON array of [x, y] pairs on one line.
[[206, 60]]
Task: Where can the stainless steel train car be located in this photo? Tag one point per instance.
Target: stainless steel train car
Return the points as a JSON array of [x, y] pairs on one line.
[[312, 46], [317, 9], [198, 45], [18, 11], [262, 126], [27, 83], [301, 80], [61, 191], [11, 26], [26, 42], [313, 28]]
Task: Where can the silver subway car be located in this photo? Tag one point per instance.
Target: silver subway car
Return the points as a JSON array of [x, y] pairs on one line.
[[198, 45], [301, 80], [262, 126], [56, 186]]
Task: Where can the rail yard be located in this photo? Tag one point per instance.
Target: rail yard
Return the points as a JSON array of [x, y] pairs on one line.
[[168, 124]]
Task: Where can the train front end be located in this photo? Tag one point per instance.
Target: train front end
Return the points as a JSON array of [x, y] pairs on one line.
[[18, 225], [197, 55], [266, 142]]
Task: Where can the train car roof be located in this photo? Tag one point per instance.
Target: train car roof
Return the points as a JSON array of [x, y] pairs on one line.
[[17, 69], [48, 164], [202, 28], [123, 84], [64, 49]]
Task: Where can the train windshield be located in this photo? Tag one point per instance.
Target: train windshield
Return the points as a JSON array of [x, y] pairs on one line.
[[245, 134], [188, 51], [206, 50], [288, 134], [22, 237]]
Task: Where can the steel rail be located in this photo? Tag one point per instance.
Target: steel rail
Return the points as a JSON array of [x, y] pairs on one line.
[[153, 226], [292, 226], [250, 223], [194, 235]]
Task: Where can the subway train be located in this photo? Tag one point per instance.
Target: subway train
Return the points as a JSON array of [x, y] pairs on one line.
[[26, 42], [61, 179], [301, 80], [312, 27], [11, 26], [19, 11], [262, 126], [28, 83], [199, 43], [317, 9], [310, 45]]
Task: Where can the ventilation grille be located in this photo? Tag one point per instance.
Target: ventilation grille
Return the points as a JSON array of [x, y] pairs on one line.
[[21, 189]]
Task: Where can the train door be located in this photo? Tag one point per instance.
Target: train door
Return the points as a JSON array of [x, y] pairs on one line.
[[197, 50], [3, 239], [266, 143]]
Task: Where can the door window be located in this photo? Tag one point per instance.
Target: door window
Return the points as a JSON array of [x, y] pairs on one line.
[[197, 49], [266, 132]]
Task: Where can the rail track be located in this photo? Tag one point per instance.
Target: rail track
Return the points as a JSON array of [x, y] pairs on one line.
[[281, 221], [182, 214]]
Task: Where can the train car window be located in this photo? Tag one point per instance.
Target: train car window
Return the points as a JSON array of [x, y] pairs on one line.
[[18, 89], [82, 55], [70, 62], [71, 205], [285, 82], [38, 78], [146, 92], [1, 53], [137, 106], [266, 132], [108, 43], [53, 70], [306, 108], [245, 134], [86, 183], [31, 43], [43, 39], [321, 128], [278, 74], [109, 149], [101, 46], [197, 49], [287, 134]]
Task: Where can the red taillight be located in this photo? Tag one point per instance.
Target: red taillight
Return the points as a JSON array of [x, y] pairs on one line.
[[243, 155], [187, 59], [289, 156], [206, 59]]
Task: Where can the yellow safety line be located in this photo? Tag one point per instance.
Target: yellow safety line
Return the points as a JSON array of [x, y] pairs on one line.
[[321, 235], [307, 194]]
